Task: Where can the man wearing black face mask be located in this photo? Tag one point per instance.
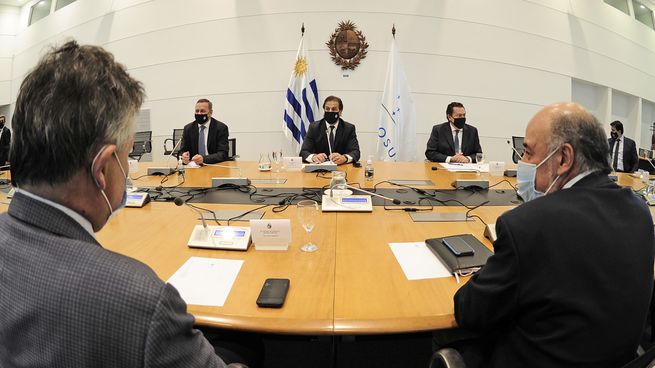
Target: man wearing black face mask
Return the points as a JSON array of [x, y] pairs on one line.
[[205, 139], [331, 138], [453, 141], [623, 150], [5, 141]]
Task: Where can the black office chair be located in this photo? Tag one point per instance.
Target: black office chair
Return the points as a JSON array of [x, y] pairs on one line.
[[232, 149], [517, 143], [142, 144], [175, 143], [447, 358]]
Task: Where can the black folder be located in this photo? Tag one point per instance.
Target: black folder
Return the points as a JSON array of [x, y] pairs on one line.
[[460, 264]]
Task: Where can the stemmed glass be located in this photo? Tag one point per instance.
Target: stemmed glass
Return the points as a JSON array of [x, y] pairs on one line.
[[479, 159], [277, 160], [307, 215]]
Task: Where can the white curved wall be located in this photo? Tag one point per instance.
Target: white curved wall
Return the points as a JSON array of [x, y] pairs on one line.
[[503, 59]]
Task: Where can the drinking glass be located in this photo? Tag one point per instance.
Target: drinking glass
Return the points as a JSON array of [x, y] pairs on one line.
[[338, 181], [277, 166], [479, 158], [307, 215]]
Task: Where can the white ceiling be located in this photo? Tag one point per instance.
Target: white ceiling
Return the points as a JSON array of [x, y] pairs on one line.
[[13, 2]]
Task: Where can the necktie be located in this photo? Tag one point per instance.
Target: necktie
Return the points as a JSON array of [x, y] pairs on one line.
[[332, 137], [202, 149], [457, 150], [615, 161]]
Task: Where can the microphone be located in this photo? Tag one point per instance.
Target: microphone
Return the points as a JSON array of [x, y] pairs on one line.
[[394, 200], [156, 170], [520, 155], [179, 202]]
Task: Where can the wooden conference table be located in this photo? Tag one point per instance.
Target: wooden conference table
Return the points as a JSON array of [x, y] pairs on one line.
[[351, 285]]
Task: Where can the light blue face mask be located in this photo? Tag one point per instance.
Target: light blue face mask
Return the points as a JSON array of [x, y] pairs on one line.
[[526, 174], [112, 211]]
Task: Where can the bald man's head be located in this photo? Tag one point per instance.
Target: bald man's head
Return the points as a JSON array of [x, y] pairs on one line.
[[569, 123]]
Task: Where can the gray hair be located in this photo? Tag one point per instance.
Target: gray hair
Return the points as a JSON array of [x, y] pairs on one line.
[[585, 134], [76, 100]]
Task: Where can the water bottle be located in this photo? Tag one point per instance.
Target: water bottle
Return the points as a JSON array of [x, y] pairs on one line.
[[180, 166], [369, 171]]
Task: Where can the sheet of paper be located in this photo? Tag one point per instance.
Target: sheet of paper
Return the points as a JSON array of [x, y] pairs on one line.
[[418, 262], [206, 281], [191, 165], [454, 167]]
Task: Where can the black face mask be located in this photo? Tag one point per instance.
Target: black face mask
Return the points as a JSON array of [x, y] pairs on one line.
[[201, 118], [331, 117], [459, 122], [614, 135]]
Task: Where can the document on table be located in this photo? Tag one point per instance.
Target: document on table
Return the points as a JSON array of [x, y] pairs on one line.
[[206, 281], [418, 262], [470, 167]]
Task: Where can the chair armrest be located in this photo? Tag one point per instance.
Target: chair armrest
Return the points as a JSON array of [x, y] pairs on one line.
[[447, 358]]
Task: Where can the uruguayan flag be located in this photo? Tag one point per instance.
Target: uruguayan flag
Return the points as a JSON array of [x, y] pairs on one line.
[[301, 106], [397, 129]]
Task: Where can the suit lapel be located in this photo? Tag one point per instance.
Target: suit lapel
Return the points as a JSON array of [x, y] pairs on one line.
[[193, 134], [448, 133], [211, 132], [338, 137]]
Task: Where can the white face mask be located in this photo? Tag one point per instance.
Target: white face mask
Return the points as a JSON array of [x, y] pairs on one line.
[[526, 174], [112, 212]]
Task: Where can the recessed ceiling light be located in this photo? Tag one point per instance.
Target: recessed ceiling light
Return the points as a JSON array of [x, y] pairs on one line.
[[641, 6]]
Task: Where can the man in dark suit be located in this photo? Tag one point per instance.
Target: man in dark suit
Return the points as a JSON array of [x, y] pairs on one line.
[[331, 137], [66, 301], [565, 287], [204, 140], [5, 141], [623, 150], [453, 141]]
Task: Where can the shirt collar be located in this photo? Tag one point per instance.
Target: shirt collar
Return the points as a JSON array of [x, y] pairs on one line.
[[86, 225], [576, 179]]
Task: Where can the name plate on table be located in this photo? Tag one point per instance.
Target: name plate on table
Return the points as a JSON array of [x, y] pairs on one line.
[[325, 166], [293, 163], [271, 234]]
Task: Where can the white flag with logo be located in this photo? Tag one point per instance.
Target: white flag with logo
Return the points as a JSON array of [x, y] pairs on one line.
[[397, 129], [301, 105]]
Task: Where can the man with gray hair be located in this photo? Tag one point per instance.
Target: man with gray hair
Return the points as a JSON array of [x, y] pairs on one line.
[[566, 287], [66, 301]]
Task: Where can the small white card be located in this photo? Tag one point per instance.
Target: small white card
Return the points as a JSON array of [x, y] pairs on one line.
[[271, 234], [293, 163]]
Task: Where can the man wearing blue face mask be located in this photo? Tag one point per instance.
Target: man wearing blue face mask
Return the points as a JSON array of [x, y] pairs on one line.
[[65, 300], [205, 140], [566, 287], [453, 141], [331, 138]]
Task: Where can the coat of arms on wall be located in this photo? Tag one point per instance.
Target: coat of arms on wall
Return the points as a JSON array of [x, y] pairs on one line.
[[347, 45]]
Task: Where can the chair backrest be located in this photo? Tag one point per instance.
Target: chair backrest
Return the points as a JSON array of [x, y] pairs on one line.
[[232, 149], [177, 136], [142, 144], [517, 143]]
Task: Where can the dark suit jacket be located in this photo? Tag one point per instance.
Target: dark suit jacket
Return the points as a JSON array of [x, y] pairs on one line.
[[630, 156], [217, 145], [566, 287], [316, 141], [441, 145], [5, 141], [67, 302]]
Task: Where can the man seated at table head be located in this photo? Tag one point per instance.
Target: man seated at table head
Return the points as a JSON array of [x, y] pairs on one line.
[[566, 287], [453, 141], [66, 301], [204, 140], [623, 150], [331, 138]]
